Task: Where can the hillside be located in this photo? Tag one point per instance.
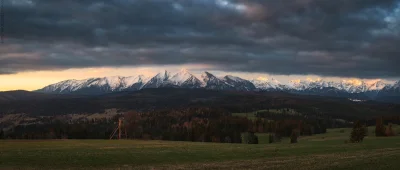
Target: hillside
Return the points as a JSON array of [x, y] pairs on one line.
[[169, 98], [23, 95]]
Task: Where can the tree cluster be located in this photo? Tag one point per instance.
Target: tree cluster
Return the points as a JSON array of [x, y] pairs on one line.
[[382, 130], [197, 124]]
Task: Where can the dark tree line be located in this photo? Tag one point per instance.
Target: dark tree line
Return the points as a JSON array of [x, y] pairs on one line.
[[198, 124], [191, 124]]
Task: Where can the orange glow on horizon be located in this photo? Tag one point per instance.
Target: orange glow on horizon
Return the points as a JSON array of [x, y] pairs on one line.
[[263, 78], [39, 79], [36, 80], [355, 82]]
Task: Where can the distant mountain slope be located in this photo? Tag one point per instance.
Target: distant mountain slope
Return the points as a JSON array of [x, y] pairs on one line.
[[214, 83], [239, 83], [170, 98], [21, 95], [390, 93]]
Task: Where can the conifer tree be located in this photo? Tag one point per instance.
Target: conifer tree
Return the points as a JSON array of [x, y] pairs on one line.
[[379, 127], [294, 136], [358, 133]]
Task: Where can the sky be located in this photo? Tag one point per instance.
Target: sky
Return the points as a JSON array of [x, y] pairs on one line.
[[47, 41]]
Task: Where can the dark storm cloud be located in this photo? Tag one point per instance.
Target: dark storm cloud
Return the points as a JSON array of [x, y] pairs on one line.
[[332, 38]]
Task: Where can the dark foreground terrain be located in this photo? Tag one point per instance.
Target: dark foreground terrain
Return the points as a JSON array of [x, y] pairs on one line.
[[196, 129], [324, 151]]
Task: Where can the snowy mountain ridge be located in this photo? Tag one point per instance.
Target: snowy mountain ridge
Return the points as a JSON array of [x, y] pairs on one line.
[[185, 79]]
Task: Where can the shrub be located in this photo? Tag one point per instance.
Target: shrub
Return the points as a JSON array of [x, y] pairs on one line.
[[147, 136], [216, 139], [255, 139], [277, 138], [228, 139], [390, 131], [250, 138], [271, 138], [358, 133], [294, 136]]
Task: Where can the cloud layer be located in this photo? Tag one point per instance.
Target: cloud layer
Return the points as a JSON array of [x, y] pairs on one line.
[[346, 38]]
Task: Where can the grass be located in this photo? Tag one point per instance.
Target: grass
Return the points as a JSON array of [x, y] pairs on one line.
[[250, 116], [326, 151]]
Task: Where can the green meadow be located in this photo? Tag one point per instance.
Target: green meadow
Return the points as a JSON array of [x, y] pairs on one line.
[[325, 151]]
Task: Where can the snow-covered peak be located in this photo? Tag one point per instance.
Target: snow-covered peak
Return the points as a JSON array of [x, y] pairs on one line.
[[212, 82], [113, 82], [378, 85], [234, 78], [314, 80], [238, 83], [353, 86], [206, 76], [299, 84], [129, 81], [396, 85], [264, 83], [273, 80], [261, 83], [184, 70], [185, 79], [320, 83], [181, 77], [349, 85], [160, 80], [164, 76], [66, 85]]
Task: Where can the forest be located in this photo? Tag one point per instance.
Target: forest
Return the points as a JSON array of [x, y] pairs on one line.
[[202, 124], [197, 124], [195, 115]]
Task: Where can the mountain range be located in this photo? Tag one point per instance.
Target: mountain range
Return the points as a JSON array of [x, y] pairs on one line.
[[378, 90]]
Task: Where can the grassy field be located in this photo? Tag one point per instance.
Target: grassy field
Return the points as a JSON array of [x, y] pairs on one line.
[[327, 151]]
